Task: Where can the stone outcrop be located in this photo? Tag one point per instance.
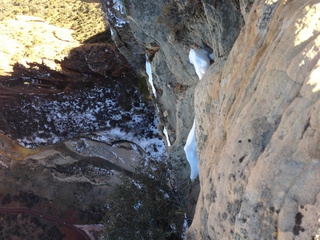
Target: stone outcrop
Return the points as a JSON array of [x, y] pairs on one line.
[[165, 31], [256, 109], [260, 165]]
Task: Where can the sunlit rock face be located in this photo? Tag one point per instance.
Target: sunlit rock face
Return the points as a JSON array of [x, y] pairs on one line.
[[256, 110], [260, 165]]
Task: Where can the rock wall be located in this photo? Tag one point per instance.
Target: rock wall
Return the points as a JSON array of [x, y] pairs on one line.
[[260, 165], [256, 109], [165, 31]]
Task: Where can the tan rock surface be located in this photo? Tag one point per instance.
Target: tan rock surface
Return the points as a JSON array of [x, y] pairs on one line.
[[26, 39], [258, 111], [166, 30], [257, 108]]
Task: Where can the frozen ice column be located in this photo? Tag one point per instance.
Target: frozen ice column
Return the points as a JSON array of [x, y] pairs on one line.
[[201, 62]]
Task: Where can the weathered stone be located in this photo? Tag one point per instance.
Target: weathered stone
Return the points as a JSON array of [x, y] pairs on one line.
[[168, 30], [260, 129], [256, 109]]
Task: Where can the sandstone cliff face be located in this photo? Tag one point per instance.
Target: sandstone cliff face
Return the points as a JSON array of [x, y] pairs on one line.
[[165, 31], [260, 166], [256, 109]]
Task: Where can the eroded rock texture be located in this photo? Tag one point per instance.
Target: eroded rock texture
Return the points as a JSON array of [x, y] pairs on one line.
[[256, 109], [165, 31], [260, 167]]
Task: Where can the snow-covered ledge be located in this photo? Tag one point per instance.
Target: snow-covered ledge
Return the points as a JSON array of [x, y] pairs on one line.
[[200, 59]]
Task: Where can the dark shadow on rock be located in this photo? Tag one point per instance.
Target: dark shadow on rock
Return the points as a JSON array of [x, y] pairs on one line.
[[96, 89], [35, 79], [103, 37]]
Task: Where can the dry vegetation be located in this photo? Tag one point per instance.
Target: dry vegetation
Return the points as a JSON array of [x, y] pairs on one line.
[[86, 19], [146, 206], [48, 40]]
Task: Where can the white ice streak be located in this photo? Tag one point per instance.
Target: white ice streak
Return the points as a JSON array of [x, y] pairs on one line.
[[165, 132], [149, 72], [201, 62], [118, 21], [191, 152]]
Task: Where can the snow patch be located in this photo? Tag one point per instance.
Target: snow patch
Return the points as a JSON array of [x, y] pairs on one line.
[[137, 205], [154, 147], [35, 140], [200, 60], [149, 72], [191, 152], [165, 132]]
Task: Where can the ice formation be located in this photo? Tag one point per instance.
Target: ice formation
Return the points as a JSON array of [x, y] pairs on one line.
[[201, 62], [191, 152], [150, 79]]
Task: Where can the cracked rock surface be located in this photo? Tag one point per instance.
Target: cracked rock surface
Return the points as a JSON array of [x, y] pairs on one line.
[[256, 109]]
